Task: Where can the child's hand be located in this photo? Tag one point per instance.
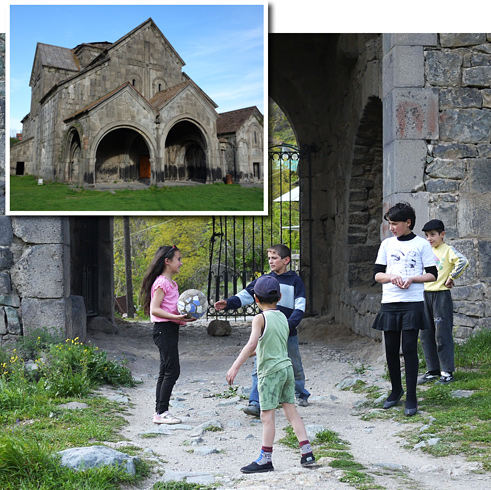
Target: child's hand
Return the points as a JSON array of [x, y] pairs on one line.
[[397, 281], [184, 318], [231, 374], [220, 305], [407, 283], [449, 283]]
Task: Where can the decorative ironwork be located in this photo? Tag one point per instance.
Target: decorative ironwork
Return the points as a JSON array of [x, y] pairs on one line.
[[238, 245]]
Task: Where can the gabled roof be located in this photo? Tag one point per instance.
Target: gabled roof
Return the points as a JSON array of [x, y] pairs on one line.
[[94, 104], [231, 122], [148, 21], [160, 99], [56, 57]]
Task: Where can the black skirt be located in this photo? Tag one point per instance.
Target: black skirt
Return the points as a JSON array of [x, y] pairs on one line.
[[394, 317]]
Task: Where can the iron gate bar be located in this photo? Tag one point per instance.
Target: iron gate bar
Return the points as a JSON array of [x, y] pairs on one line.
[[230, 274]]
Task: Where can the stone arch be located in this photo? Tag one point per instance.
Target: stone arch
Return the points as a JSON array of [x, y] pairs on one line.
[[186, 152], [122, 153], [73, 155], [365, 196]]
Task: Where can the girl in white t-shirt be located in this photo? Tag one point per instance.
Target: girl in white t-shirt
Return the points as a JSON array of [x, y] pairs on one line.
[[159, 293], [404, 262]]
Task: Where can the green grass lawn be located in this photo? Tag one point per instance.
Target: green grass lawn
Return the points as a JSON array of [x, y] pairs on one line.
[[27, 195]]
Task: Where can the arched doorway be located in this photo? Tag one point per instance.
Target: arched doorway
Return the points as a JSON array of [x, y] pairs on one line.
[[123, 154], [73, 159], [185, 153], [365, 196]]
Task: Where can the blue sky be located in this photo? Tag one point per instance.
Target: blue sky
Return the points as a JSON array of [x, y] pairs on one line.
[[222, 45]]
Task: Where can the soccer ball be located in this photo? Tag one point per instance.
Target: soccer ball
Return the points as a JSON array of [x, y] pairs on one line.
[[192, 303]]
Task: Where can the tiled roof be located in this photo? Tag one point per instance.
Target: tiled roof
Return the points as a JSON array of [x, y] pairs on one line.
[[58, 57], [230, 122], [90, 106], [161, 98]]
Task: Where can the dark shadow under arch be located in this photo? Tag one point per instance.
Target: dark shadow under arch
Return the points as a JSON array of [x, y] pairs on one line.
[[122, 154], [365, 195]]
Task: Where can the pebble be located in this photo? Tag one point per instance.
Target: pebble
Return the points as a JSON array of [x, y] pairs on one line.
[[389, 466], [205, 451], [228, 402], [462, 393]]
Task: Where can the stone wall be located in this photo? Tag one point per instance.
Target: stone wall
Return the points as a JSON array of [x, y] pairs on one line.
[[437, 152], [381, 119]]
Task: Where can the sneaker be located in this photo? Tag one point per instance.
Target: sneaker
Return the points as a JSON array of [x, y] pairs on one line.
[[302, 402], [165, 418], [446, 378], [307, 459], [257, 468], [253, 410], [428, 376]]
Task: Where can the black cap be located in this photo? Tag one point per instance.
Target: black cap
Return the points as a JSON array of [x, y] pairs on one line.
[[267, 286], [434, 224]]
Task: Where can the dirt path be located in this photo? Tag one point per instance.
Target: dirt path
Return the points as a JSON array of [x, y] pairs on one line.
[[330, 355]]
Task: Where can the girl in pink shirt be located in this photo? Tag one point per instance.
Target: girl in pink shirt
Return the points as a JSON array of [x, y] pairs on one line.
[[160, 294]]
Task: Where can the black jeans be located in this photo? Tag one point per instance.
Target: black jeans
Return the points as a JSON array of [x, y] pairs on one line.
[[166, 338]]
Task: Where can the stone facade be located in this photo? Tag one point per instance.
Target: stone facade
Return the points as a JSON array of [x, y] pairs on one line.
[[380, 119], [115, 112], [241, 142]]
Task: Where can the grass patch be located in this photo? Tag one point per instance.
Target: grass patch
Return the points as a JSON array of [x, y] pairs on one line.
[[178, 485], [328, 444], [33, 426], [462, 425], [27, 195]]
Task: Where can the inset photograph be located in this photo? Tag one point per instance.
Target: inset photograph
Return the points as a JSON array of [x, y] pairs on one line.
[[159, 111]]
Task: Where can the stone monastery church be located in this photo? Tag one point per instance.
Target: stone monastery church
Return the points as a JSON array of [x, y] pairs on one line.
[[125, 111]]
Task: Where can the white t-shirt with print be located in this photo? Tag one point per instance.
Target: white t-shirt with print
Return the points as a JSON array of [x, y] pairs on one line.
[[405, 258]]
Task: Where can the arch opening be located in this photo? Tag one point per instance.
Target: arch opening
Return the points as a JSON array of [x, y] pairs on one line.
[[185, 153], [365, 196], [123, 154], [74, 157]]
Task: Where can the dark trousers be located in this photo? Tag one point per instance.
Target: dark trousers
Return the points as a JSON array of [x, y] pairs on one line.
[[166, 338], [410, 353], [437, 341]]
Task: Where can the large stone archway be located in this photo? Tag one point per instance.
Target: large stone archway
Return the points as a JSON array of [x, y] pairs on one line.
[[339, 91], [122, 154], [186, 153]]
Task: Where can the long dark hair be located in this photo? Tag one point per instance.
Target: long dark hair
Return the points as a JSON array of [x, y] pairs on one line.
[[154, 270]]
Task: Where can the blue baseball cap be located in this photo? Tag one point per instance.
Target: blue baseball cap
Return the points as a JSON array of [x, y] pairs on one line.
[[267, 286]]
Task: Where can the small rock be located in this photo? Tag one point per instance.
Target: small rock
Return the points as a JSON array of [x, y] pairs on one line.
[[462, 393], [205, 451], [219, 328], [390, 466], [347, 383], [433, 441], [228, 402], [118, 398], [83, 458], [74, 406]]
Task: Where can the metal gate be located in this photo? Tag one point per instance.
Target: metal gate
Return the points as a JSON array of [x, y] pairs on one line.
[[238, 244]]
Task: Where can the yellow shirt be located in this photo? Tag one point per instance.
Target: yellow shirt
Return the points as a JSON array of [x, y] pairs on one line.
[[450, 263]]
